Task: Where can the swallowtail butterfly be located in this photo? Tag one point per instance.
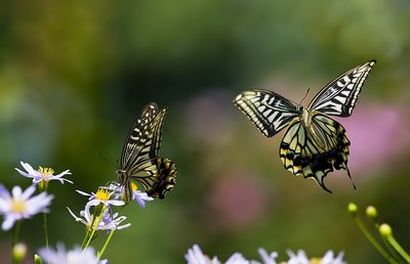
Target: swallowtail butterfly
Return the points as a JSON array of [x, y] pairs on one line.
[[140, 158], [314, 144]]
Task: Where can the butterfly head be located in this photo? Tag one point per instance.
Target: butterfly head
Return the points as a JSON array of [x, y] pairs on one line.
[[166, 178]]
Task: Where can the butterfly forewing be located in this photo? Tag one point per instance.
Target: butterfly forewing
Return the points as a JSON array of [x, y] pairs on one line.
[[138, 141], [339, 97], [268, 111]]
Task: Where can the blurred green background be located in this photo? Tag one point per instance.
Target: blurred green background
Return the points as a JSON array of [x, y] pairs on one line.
[[74, 74]]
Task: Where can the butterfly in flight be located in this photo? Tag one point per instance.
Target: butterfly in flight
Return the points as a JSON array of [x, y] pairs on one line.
[[140, 159], [314, 144]]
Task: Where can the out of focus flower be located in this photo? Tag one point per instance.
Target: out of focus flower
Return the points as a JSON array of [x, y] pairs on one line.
[[43, 175], [75, 256], [237, 258], [195, 256], [20, 205], [102, 196], [378, 134], [237, 199], [108, 222], [266, 257], [301, 258]]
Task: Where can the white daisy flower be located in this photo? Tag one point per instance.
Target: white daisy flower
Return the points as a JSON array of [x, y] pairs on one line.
[[19, 205], [75, 256], [329, 258], [108, 221], [43, 175], [237, 258], [102, 196], [195, 256], [301, 258], [266, 257]]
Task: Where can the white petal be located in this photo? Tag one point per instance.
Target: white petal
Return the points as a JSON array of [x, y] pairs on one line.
[[16, 192], [28, 192], [8, 223]]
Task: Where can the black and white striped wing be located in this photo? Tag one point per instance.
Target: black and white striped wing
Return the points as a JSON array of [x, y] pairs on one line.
[[339, 97], [268, 111], [139, 141]]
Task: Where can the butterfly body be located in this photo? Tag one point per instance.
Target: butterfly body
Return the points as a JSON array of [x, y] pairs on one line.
[[140, 159], [314, 144]]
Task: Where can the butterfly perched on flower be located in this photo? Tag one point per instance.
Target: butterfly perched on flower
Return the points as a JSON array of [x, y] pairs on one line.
[[140, 159], [314, 144]]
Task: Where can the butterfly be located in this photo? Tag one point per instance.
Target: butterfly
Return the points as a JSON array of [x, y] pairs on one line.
[[314, 144], [140, 159]]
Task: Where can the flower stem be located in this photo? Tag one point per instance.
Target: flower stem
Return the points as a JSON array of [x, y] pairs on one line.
[[396, 246], [16, 233], [45, 228], [373, 241], [107, 241], [85, 238], [89, 238], [94, 224]]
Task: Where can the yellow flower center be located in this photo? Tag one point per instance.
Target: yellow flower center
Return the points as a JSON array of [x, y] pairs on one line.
[[134, 187], [45, 172], [315, 261], [18, 206], [103, 195]]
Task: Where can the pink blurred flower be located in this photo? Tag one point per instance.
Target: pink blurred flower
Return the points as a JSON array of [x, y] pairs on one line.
[[378, 135], [237, 199]]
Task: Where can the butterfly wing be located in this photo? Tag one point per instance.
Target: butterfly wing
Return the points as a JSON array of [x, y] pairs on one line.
[[140, 157], [138, 142], [314, 151], [339, 97], [268, 111]]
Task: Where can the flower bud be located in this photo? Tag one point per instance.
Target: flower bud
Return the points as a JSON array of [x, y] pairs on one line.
[[19, 252], [352, 208], [385, 230], [371, 211]]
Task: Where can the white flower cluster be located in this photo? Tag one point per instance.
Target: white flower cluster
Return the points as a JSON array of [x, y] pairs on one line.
[[195, 256]]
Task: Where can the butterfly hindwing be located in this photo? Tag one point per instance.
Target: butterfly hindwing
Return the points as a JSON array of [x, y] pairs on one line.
[[339, 97], [268, 111], [305, 152]]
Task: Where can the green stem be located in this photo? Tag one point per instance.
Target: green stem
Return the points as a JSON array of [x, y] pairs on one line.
[[16, 233], [396, 246], [85, 238], [107, 241], [392, 250], [93, 226], [14, 242], [45, 228], [373, 240], [90, 237]]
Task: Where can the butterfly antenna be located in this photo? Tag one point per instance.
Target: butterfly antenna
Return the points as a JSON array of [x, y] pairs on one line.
[[304, 97], [106, 159], [350, 176]]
